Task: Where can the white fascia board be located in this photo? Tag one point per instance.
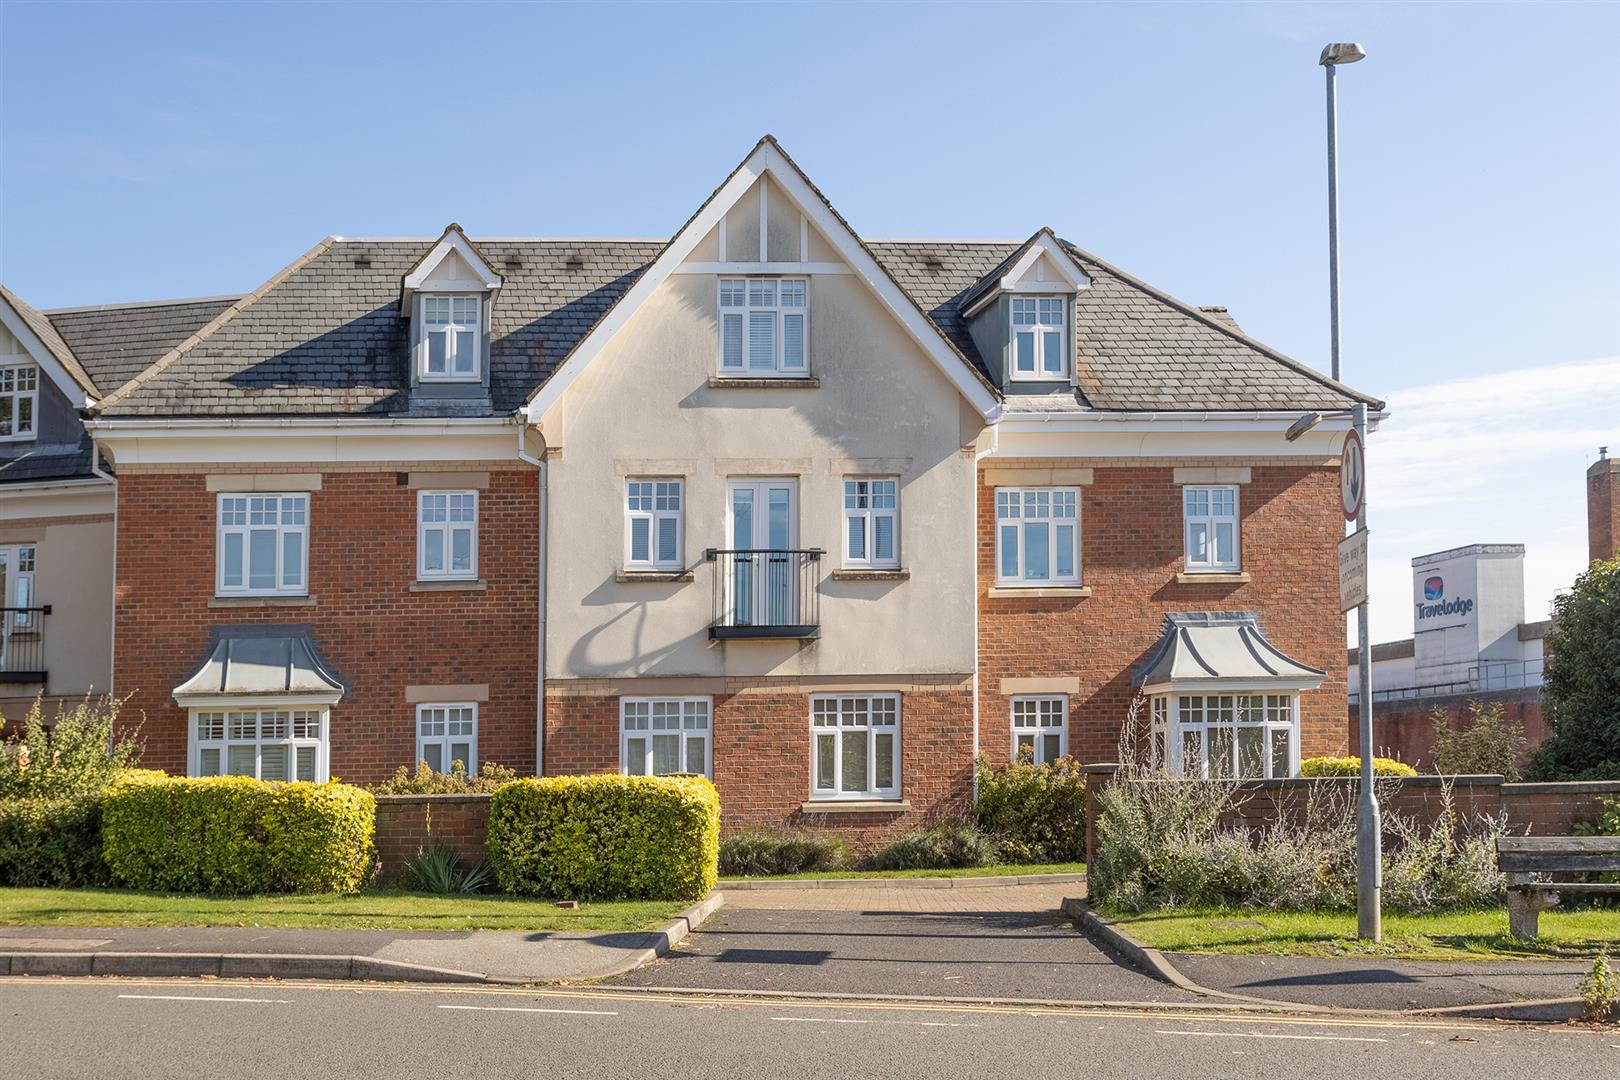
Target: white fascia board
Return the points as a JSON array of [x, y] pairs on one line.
[[767, 161], [1174, 434], [305, 441], [77, 395], [55, 499], [258, 701], [454, 241]]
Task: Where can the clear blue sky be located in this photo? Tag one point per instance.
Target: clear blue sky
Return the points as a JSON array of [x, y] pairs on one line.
[[151, 150]]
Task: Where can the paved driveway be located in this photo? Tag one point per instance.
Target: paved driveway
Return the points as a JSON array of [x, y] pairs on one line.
[[1002, 942]]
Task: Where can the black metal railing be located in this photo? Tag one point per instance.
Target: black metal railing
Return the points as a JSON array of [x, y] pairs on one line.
[[766, 592], [22, 644]]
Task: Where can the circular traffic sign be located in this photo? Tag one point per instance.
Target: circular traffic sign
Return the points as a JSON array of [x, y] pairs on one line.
[[1352, 475]]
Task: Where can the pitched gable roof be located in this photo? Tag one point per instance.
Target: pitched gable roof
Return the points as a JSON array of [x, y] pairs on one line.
[[39, 336], [116, 342], [769, 159]]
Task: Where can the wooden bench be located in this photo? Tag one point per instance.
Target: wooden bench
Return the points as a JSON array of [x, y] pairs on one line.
[[1523, 857]]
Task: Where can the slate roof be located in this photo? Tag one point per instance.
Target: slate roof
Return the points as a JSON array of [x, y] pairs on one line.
[[42, 328], [48, 463], [328, 337], [325, 336], [115, 342]]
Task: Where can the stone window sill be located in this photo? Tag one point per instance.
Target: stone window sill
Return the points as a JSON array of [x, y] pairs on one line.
[[260, 601], [851, 806], [1211, 579], [728, 382], [853, 574], [449, 586], [1013, 592], [652, 577]]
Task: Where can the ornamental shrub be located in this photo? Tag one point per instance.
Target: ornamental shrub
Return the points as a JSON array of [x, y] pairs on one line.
[[1489, 744], [428, 781], [1581, 693], [76, 754], [1319, 767], [750, 854], [1034, 813], [234, 835], [606, 837], [948, 845], [51, 842]]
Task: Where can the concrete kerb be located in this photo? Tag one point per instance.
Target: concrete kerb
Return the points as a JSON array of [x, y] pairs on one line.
[[315, 966], [746, 885]]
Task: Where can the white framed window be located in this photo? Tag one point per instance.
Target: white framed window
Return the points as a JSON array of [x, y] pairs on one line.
[[1040, 728], [19, 401], [1039, 348], [855, 746], [446, 734], [446, 535], [652, 524], [267, 744], [871, 521], [1248, 735], [17, 586], [764, 326], [1210, 524], [263, 544], [1037, 536], [658, 736], [452, 338]]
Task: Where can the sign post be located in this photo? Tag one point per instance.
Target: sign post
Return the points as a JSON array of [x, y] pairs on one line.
[[1353, 593]]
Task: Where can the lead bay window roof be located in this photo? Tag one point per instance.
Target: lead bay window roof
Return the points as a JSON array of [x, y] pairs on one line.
[[1211, 650], [269, 664]]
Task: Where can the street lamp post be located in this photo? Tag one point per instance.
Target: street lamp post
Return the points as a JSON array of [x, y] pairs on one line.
[[1369, 854]]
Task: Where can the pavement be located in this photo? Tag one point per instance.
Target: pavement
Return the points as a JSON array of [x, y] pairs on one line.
[[58, 1029], [1001, 943], [440, 956], [1373, 983]]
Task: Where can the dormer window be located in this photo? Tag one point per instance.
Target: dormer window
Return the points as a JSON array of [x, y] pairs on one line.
[[452, 343], [19, 399], [762, 327], [1039, 349]]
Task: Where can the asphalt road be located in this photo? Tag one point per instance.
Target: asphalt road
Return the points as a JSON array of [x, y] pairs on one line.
[[157, 1028], [975, 954]]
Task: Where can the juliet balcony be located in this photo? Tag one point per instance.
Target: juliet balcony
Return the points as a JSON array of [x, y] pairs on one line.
[[764, 593], [22, 644]]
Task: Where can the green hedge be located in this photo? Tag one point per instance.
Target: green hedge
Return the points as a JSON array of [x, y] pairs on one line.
[[1319, 767], [235, 835], [51, 842], [606, 837], [1035, 813]]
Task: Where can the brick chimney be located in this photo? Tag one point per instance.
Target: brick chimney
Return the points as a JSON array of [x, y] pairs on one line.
[[1603, 506]]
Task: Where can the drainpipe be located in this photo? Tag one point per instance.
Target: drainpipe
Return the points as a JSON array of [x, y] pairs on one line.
[[112, 624], [540, 612]]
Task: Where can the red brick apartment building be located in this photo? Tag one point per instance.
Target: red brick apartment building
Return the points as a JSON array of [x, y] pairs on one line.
[[820, 517]]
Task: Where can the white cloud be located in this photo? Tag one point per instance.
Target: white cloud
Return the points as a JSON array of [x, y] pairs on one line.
[[1488, 459]]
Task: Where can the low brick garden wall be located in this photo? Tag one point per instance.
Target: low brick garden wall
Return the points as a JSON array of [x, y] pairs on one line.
[[1539, 809], [407, 823]]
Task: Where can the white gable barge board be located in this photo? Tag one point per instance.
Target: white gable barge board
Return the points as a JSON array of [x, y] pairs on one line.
[[1042, 246], [312, 441], [767, 159], [453, 241], [78, 395]]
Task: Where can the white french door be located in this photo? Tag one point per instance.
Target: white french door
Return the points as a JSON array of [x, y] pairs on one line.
[[762, 526]]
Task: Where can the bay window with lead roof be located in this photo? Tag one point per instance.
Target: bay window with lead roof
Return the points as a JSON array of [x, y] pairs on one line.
[[266, 744], [855, 746], [1231, 735]]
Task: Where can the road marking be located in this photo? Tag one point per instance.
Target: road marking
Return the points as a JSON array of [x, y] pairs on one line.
[[515, 1008], [833, 1020], [1257, 1035], [199, 997]]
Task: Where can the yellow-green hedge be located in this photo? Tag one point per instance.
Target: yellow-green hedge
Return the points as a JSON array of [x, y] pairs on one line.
[[235, 835], [1351, 766], [606, 837]]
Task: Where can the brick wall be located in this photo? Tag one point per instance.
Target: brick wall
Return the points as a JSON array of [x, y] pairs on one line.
[[1603, 508], [1404, 730], [1131, 552], [1537, 809], [407, 824], [761, 756], [379, 634]]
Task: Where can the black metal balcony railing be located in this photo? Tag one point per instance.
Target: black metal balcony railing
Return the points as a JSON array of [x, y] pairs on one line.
[[766, 593], [22, 644]]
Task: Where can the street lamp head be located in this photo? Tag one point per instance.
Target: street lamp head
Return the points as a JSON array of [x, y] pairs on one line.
[[1304, 424], [1341, 52]]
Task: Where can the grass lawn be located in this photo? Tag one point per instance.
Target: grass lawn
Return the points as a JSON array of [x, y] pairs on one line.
[[1478, 935], [969, 871], [381, 909]]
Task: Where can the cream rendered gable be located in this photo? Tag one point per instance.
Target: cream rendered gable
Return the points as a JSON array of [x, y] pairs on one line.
[[773, 224]]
